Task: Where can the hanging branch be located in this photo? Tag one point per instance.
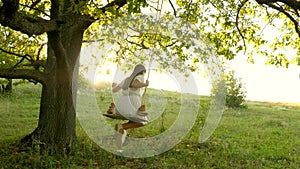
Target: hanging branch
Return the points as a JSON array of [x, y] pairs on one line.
[[270, 21], [174, 10], [237, 23], [296, 24]]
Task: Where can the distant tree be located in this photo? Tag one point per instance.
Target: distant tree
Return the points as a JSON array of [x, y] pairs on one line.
[[235, 91], [6, 85]]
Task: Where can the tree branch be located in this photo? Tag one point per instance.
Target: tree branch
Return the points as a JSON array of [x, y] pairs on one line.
[[119, 3], [142, 45], [36, 63], [55, 42], [91, 41], [39, 51], [9, 16], [237, 23], [23, 74], [29, 25], [169, 45], [296, 24], [294, 4], [33, 8], [270, 21], [21, 60], [34, 3], [174, 10], [26, 56]]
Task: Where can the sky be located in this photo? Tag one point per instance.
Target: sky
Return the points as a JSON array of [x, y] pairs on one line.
[[268, 83], [262, 82]]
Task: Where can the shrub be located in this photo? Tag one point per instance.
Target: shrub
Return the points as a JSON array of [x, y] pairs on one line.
[[235, 91]]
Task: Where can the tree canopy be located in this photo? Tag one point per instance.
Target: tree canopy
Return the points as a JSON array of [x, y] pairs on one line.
[[232, 26]]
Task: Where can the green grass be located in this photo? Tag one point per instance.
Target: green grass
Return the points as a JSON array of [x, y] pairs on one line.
[[266, 135]]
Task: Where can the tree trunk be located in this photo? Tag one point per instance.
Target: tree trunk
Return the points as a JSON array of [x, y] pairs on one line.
[[56, 127], [57, 119], [8, 87]]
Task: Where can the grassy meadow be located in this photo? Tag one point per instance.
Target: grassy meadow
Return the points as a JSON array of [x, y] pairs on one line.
[[265, 135]]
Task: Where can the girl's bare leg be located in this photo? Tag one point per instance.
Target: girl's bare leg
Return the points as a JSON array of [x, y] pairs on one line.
[[131, 125], [122, 129]]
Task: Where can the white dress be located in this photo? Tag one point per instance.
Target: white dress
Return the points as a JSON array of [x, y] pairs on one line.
[[130, 101]]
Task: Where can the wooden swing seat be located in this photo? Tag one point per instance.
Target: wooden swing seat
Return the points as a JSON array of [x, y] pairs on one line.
[[114, 116], [111, 114]]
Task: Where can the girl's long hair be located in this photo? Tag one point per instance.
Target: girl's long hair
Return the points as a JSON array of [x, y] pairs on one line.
[[139, 69]]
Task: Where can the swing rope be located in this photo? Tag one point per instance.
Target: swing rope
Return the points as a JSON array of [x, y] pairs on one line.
[[157, 18], [142, 109]]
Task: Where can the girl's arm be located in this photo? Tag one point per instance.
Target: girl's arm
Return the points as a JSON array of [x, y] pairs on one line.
[[116, 88], [138, 84]]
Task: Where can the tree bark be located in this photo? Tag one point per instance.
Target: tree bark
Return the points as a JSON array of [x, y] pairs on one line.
[[57, 119], [8, 87]]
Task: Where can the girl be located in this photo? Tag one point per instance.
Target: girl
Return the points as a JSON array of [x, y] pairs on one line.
[[129, 102]]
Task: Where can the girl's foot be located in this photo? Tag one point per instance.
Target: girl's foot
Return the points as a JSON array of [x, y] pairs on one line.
[[111, 109], [124, 136], [120, 133], [120, 151]]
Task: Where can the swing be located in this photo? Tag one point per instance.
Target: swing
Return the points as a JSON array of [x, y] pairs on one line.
[[113, 115], [111, 112]]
